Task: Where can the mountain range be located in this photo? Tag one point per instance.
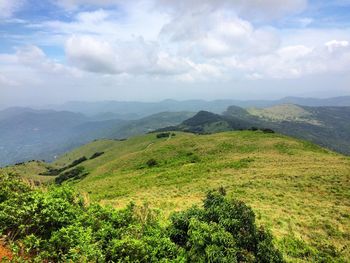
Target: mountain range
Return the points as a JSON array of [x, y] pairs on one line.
[[134, 110], [27, 133]]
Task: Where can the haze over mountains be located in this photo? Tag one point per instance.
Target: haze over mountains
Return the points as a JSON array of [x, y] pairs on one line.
[[130, 110], [27, 133]]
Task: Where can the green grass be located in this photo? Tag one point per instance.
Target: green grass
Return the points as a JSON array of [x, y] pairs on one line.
[[299, 190], [30, 170], [285, 112]]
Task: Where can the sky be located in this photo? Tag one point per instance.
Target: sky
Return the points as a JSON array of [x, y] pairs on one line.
[[54, 51]]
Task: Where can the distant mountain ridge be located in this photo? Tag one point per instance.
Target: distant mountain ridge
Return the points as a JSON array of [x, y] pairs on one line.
[[132, 110], [27, 134], [326, 126]]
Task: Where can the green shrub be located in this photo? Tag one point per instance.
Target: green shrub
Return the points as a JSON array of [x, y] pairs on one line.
[[57, 226], [57, 171], [163, 135], [73, 174], [151, 162], [196, 231], [96, 154]]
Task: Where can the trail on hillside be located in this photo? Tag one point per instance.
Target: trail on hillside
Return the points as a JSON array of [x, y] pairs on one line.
[[149, 145]]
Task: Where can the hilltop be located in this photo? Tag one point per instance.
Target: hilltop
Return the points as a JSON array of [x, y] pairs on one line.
[[298, 189], [326, 126]]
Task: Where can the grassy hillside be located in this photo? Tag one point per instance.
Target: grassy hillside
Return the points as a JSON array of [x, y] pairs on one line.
[[301, 191], [326, 126], [284, 112], [30, 170]]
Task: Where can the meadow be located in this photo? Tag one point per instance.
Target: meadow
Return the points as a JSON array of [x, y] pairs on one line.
[[297, 189]]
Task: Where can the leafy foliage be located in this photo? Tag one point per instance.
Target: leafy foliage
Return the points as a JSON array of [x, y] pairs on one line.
[[96, 154], [57, 171], [224, 231], [151, 162], [163, 135], [57, 225], [73, 174]]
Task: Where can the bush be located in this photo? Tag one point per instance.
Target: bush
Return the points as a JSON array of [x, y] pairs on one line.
[[57, 226], [151, 162], [163, 135], [224, 231], [57, 171], [73, 174], [267, 130], [96, 154]]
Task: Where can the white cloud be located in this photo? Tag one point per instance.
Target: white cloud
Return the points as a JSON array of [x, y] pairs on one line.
[[9, 7], [296, 61], [92, 17], [90, 54], [29, 65], [36, 60], [334, 45], [160, 42], [267, 9], [293, 52], [131, 57], [125, 23], [5, 81], [218, 34], [74, 4]]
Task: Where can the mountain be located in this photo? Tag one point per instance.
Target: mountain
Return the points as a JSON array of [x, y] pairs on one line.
[[27, 134], [134, 110], [313, 102], [14, 111], [37, 135], [326, 126], [205, 122], [298, 189]]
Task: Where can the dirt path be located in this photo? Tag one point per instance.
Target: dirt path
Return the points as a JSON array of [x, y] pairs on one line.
[[149, 145], [4, 252]]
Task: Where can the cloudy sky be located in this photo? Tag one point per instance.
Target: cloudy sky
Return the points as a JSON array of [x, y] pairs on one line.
[[53, 51]]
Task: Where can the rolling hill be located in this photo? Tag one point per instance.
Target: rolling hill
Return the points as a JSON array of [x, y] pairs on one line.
[[326, 126], [296, 188], [27, 133]]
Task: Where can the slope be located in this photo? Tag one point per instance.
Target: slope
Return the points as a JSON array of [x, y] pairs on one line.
[[297, 188], [326, 126]]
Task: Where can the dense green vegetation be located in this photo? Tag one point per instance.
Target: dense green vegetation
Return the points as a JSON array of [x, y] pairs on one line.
[[58, 225]]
